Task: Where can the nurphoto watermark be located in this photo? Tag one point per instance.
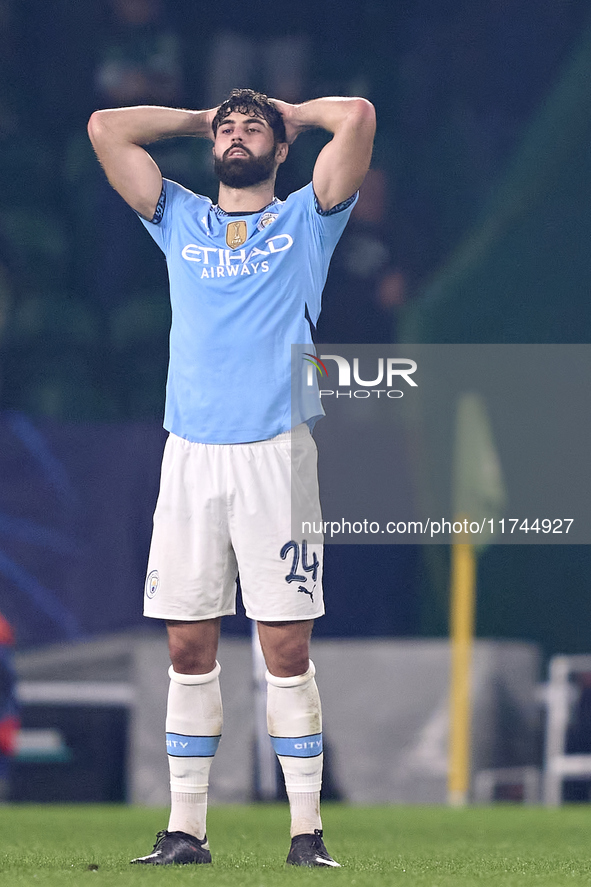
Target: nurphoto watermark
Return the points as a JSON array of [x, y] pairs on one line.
[[435, 444]]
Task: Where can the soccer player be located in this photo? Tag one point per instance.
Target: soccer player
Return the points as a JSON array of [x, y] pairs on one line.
[[246, 277]]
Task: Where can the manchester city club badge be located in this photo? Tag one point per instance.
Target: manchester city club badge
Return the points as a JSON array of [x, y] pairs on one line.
[[152, 583], [236, 233], [265, 220]]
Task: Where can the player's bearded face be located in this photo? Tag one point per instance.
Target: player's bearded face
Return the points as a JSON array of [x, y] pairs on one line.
[[244, 172]]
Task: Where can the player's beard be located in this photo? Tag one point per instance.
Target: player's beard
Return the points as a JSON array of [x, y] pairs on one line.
[[244, 172]]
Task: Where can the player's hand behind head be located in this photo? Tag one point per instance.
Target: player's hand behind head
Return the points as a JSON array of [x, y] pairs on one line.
[[289, 114]]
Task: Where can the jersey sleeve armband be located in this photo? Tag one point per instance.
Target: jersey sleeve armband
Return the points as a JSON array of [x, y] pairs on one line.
[[344, 204], [159, 211]]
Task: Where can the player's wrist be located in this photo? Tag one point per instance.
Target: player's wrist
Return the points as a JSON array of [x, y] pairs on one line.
[[302, 115], [329, 112], [202, 123], [313, 114]]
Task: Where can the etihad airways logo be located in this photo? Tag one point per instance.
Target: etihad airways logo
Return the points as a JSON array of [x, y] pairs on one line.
[[389, 371], [219, 262]]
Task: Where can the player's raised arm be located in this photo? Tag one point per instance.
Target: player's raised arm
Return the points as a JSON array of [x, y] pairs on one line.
[[343, 163], [118, 136]]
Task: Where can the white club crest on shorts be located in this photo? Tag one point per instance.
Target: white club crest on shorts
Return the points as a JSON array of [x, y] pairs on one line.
[[152, 583]]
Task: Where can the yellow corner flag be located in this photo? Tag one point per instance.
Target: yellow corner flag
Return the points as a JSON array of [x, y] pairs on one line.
[[478, 495]]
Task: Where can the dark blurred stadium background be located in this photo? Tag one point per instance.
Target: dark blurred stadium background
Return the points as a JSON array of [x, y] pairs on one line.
[[473, 226]]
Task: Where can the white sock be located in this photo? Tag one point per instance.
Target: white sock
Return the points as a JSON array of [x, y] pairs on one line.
[[294, 720], [304, 808], [193, 730], [188, 813]]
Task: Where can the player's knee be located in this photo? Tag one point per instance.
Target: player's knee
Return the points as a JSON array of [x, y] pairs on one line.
[[193, 646], [191, 659], [289, 660]]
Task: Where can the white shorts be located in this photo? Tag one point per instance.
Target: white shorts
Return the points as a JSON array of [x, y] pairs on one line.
[[226, 509]]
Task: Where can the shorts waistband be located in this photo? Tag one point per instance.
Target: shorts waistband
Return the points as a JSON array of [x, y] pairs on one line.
[[299, 431]]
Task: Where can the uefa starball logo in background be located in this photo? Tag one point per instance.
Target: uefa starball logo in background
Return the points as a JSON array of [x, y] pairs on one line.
[[388, 372]]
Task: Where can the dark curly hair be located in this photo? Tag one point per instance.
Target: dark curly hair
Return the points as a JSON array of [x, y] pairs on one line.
[[247, 101]]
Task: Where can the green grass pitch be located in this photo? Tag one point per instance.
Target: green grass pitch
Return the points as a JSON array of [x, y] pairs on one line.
[[424, 846]]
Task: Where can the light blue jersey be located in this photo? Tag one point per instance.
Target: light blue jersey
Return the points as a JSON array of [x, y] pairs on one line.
[[244, 288]]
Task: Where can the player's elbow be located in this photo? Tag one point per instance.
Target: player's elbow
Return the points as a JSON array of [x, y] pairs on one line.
[[363, 114], [95, 127]]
